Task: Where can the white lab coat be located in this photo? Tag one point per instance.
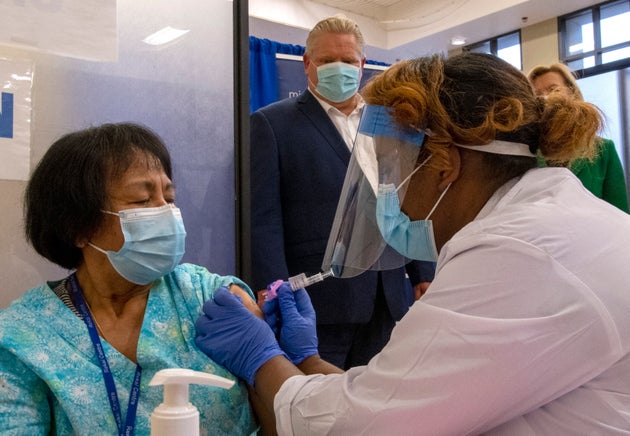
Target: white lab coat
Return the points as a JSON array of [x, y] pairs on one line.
[[524, 331]]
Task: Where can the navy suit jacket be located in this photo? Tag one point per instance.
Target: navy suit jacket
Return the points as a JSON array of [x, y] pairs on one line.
[[298, 166]]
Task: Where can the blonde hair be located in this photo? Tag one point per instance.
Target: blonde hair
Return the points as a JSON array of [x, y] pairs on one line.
[[473, 99], [337, 24], [567, 75]]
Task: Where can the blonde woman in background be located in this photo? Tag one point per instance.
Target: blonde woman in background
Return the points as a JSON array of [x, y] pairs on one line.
[[603, 175]]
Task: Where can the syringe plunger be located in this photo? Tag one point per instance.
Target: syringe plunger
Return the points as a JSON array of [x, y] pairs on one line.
[[301, 281]]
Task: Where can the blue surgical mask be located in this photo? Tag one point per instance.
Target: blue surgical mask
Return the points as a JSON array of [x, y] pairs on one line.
[[412, 239], [337, 81], [154, 243]]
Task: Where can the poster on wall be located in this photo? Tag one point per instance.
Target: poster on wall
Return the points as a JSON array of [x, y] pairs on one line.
[[84, 29], [16, 79]]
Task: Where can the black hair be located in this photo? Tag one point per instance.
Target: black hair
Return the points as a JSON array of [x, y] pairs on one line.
[[67, 191], [476, 84]]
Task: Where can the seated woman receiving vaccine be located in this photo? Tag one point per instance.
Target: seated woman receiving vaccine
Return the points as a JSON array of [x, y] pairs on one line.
[[77, 354]]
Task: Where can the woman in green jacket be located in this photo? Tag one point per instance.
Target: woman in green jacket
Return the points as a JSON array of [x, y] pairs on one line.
[[603, 175]]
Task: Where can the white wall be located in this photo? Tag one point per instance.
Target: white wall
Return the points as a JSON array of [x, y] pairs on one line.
[[183, 91], [539, 44]]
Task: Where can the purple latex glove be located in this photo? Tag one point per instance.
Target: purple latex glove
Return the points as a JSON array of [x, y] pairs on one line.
[[298, 334], [270, 307], [234, 337]]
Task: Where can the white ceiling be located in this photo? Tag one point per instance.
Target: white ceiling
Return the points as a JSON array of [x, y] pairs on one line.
[[411, 14], [428, 23]]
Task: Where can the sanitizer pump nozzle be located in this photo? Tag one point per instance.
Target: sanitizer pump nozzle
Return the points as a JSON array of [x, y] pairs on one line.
[[176, 415]]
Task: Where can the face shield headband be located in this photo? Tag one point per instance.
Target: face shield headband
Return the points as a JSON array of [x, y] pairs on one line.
[[384, 153]]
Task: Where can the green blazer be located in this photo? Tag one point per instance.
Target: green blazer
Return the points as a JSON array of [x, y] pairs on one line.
[[603, 176]]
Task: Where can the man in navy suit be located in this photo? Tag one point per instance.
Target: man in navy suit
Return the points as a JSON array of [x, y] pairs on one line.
[[300, 150]]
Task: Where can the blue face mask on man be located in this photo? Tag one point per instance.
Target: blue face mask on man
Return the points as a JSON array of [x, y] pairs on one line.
[[338, 81], [412, 239], [154, 243]]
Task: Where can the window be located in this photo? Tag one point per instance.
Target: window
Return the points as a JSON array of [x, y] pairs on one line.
[[606, 91], [596, 39], [595, 43], [506, 47]]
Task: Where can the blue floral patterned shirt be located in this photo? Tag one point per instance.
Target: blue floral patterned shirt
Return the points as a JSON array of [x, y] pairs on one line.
[[51, 381]]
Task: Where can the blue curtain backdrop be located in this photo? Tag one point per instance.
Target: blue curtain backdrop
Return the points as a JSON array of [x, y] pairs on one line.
[[263, 73], [263, 70]]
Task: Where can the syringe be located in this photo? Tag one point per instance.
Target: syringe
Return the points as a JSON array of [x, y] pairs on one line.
[[296, 282], [301, 281]]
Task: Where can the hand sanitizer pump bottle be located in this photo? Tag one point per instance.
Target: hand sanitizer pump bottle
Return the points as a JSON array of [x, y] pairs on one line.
[[176, 416]]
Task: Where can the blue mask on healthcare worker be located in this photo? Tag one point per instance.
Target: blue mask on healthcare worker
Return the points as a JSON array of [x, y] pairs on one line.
[[412, 239], [154, 243], [338, 81]]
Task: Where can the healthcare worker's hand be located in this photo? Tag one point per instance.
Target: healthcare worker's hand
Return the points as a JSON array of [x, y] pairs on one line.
[[298, 334], [234, 337], [420, 289]]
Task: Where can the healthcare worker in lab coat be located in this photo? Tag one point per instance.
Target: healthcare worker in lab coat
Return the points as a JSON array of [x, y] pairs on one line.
[[525, 329]]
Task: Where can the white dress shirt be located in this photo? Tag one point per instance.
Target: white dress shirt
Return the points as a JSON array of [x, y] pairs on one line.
[[347, 125]]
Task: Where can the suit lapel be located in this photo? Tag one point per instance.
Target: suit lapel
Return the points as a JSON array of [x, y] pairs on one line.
[[309, 106]]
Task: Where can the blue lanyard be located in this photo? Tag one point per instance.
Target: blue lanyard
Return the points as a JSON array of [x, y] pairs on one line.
[[112, 395]]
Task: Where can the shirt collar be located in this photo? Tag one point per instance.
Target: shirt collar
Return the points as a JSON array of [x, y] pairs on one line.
[[328, 107]]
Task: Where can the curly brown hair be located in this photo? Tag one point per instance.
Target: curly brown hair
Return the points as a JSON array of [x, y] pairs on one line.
[[474, 98]]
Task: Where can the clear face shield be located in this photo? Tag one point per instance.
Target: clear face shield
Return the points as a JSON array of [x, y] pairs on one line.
[[384, 154]]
